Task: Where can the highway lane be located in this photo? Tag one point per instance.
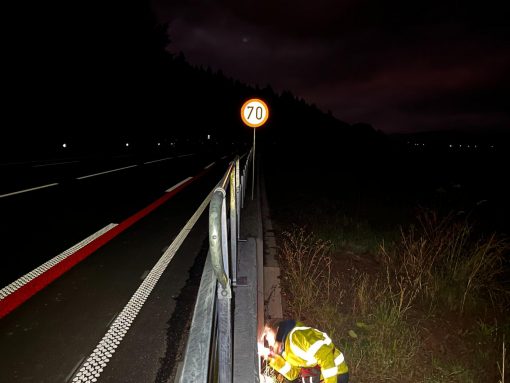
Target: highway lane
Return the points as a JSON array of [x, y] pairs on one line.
[[39, 224], [46, 338]]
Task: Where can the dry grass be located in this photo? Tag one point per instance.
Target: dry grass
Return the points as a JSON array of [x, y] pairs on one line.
[[441, 262], [306, 266], [437, 267], [501, 367]]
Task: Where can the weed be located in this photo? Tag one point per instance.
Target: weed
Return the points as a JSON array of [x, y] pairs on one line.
[[449, 372], [437, 264], [306, 267], [440, 260], [501, 367], [384, 347]]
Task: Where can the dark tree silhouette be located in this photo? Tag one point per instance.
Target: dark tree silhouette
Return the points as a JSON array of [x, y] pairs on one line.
[[98, 72]]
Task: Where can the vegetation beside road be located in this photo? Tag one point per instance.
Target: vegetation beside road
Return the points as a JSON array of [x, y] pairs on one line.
[[409, 294]]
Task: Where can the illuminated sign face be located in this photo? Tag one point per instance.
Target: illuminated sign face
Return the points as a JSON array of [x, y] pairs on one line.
[[254, 113]]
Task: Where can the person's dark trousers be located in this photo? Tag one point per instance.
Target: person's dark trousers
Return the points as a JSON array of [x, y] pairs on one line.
[[344, 378]]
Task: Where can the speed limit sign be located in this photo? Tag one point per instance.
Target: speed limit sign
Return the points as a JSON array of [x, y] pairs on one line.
[[254, 112]]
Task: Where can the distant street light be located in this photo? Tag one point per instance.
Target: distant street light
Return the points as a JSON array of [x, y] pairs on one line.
[[64, 145], [127, 144]]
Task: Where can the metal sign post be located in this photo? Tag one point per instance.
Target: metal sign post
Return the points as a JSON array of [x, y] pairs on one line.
[[254, 113], [253, 167]]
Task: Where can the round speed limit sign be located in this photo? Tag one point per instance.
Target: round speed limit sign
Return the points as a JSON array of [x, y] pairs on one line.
[[254, 112]]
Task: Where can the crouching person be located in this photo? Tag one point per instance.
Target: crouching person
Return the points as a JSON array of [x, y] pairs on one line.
[[294, 350]]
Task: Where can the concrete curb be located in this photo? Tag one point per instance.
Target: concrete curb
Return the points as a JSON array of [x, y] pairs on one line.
[[272, 290]]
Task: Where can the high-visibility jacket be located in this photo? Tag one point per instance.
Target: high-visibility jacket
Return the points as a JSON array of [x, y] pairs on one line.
[[307, 347]]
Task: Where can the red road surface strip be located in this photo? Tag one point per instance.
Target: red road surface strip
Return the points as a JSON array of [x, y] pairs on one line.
[[22, 294]]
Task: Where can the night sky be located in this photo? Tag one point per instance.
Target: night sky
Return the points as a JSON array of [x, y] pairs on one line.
[[403, 66]]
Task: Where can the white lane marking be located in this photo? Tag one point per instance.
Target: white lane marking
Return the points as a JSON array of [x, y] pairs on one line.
[[9, 289], [55, 163], [162, 159], [27, 190], [98, 359], [144, 275], [73, 371], [179, 184], [186, 155], [108, 171], [111, 320], [224, 157], [211, 164]]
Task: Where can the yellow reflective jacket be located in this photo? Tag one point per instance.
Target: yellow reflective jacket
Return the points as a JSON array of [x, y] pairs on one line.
[[307, 347]]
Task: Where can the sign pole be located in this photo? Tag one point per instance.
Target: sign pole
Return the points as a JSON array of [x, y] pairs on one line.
[[254, 113], [253, 170]]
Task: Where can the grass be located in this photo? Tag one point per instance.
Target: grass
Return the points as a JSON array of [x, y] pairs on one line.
[[501, 367], [384, 319], [442, 262], [415, 296]]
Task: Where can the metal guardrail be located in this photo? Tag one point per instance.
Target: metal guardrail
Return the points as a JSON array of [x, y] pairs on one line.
[[208, 355]]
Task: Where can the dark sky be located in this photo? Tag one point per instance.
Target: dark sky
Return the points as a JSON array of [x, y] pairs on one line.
[[400, 65]]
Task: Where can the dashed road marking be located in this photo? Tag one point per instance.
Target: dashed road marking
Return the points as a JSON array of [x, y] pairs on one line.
[[211, 164], [27, 190], [55, 163], [162, 159], [186, 155], [108, 171], [179, 184]]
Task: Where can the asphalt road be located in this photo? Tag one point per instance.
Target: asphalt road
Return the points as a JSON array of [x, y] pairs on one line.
[[48, 337]]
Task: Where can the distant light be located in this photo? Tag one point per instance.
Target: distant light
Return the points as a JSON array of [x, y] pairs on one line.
[[208, 136], [172, 143], [159, 143], [127, 144], [476, 146], [460, 146], [451, 146], [469, 146], [492, 146], [64, 145]]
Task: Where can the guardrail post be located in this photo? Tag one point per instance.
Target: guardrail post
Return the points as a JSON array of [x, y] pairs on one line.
[[238, 198], [233, 225], [242, 190], [224, 334], [224, 237]]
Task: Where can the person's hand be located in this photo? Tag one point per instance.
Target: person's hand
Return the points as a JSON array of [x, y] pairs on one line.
[[265, 352]]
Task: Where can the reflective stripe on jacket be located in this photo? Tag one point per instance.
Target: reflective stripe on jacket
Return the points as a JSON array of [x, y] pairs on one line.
[[308, 347]]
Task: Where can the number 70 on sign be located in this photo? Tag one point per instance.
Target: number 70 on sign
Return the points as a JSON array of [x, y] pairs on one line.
[[254, 112]]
